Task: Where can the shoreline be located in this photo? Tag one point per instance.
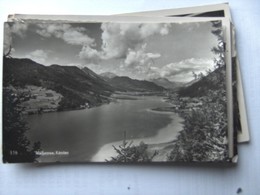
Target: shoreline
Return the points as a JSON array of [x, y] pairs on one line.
[[113, 98], [164, 138]]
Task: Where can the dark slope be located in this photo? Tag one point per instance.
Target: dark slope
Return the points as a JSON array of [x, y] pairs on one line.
[[108, 75], [201, 87], [167, 84], [77, 86], [127, 84]]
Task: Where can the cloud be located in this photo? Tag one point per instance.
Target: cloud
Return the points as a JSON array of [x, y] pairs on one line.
[[38, 55], [90, 55], [179, 71], [19, 28], [120, 39], [182, 70], [138, 57], [71, 35], [151, 29], [11, 29]]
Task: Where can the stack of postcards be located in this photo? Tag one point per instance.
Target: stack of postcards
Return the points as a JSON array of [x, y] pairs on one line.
[[157, 86]]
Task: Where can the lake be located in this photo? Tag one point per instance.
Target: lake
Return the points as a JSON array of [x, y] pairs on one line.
[[85, 135]]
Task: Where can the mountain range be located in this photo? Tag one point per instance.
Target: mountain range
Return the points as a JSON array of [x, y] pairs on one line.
[[124, 83], [83, 86], [77, 86], [214, 81], [164, 82], [108, 75]]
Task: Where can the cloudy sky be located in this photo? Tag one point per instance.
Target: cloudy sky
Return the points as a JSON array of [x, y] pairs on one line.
[[140, 51]]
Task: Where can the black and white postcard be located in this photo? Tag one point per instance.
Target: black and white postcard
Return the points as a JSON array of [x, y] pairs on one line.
[[116, 92], [206, 11], [218, 10]]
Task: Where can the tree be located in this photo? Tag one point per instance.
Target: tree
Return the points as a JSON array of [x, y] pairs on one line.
[[219, 50], [16, 146], [8, 53], [127, 152], [201, 75], [194, 75], [204, 135]]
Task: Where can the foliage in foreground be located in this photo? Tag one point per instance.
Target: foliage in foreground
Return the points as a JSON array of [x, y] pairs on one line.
[[204, 137], [127, 152], [16, 146]]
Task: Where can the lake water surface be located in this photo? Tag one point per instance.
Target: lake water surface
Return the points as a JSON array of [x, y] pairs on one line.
[[85, 133]]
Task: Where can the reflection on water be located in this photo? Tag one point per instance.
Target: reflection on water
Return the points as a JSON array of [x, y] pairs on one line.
[[83, 132]]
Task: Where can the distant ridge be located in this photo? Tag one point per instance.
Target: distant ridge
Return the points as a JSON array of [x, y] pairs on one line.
[[200, 87], [77, 86], [108, 75], [125, 83], [164, 82]]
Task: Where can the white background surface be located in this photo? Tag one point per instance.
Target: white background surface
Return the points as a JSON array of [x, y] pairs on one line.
[[149, 179]]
